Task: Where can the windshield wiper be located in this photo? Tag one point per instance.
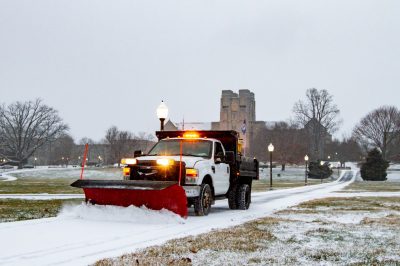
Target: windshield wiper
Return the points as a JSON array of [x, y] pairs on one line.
[[194, 155]]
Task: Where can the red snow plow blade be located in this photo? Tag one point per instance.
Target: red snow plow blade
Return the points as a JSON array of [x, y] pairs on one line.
[[155, 195]]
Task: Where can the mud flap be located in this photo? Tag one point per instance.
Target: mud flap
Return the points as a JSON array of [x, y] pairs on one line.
[[155, 195]]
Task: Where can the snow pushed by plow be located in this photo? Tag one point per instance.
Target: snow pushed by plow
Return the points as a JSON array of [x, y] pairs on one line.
[[131, 214]]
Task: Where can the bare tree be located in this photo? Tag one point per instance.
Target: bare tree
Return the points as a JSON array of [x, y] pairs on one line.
[[380, 128], [90, 157], [120, 143], [146, 141], [27, 126], [345, 150], [319, 116], [289, 142], [62, 150]]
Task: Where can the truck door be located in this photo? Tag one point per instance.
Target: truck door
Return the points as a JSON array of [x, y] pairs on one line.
[[221, 175]]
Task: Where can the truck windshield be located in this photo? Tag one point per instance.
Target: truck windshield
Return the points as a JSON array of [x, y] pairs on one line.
[[198, 148]]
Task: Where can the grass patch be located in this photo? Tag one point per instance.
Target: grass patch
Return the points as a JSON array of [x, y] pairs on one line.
[[352, 204], [17, 210], [278, 183], [38, 185], [373, 186]]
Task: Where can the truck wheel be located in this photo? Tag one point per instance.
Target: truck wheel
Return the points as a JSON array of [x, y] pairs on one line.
[[232, 203], [243, 197], [202, 204]]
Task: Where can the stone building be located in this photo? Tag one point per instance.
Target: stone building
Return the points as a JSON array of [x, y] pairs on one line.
[[238, 112]]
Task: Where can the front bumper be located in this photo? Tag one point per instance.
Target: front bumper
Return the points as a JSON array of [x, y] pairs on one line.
[[192, 191]]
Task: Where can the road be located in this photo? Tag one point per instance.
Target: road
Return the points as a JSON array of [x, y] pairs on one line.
[[89, 233]]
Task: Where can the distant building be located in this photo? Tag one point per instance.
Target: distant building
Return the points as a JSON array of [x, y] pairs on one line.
[[238, 112]]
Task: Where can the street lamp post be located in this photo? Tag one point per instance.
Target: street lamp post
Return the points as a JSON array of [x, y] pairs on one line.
[[270, 149], [162, 114], [305, 175], [322, 163], [35, 161]]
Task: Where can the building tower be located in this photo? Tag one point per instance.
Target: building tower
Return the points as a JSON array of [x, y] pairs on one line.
[[238, 112]]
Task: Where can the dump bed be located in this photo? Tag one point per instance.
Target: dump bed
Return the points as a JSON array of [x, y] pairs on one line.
[[228, 138]]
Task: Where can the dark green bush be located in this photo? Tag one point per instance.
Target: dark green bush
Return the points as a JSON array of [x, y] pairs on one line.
[[318, 171], [374, 168]]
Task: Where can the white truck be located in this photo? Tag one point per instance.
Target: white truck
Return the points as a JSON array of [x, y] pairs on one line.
[[207, 164]]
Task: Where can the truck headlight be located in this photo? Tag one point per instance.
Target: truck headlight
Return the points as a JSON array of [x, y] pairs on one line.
[[129, 161], [165, 162]]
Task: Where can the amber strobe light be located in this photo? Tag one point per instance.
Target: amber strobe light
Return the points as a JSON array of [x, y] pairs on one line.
[[191, 172], [127, 171], [191, 135]]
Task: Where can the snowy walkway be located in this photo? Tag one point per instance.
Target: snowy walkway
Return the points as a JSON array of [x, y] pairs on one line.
[[83, 234]]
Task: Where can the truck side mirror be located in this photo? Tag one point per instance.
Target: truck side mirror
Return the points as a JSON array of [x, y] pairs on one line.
[[229, 157], [219, 157], [137, 153]]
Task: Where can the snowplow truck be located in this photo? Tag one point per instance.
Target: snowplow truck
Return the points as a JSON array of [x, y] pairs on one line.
[[183, 169]]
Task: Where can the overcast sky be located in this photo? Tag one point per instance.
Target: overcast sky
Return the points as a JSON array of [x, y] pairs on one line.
[[103, 63]]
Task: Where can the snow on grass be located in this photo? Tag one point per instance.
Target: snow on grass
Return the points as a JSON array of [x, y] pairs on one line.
[[131, 214], [7, 177], [333, 231], [72, 173], [393, 176], [373, 186]]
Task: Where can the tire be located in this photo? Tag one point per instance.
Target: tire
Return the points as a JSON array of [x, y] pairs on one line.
[[202, 204], [243, 197], [232, 199]]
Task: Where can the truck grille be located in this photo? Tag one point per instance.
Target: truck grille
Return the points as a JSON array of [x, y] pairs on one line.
[[149, 170]]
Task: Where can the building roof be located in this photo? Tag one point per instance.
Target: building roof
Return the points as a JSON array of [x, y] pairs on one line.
[[194, 125], [188, 125]]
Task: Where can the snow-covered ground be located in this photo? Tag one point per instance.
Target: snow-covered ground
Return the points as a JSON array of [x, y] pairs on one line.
[[83, 234], [393, 176]]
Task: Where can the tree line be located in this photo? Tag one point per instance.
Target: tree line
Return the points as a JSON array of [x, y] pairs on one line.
[[33, 132], [315, 119]]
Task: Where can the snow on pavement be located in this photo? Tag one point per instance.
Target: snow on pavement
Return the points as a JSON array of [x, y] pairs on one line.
[[83, 234], [7, 177]]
